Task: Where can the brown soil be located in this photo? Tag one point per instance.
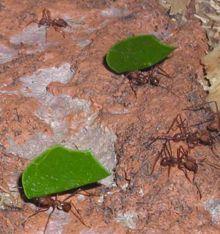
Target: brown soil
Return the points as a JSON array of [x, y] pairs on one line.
[[135, 202]]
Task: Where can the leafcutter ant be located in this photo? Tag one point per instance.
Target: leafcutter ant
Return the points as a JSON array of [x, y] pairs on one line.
[[139, 78], [214, 117], [47, 21], [182, 160], [208, 135], [185, 134], [45, 203]]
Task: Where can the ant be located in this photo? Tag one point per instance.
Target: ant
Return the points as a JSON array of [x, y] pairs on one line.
[[139, 78], [47, 21], [214, 120], [45, 203], [192, 138], [183, 161], [208, 135]]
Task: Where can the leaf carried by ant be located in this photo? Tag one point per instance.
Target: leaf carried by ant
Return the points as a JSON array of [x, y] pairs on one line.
[[137, 53], [59, 169]]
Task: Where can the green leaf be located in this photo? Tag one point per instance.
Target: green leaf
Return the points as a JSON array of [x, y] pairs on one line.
[[136, 53], [59, 169]]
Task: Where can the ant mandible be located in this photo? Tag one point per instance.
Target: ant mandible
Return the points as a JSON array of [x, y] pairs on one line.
[[45, 203], [47, 21]]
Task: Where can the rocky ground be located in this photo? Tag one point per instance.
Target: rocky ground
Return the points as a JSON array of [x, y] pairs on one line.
[[56, 89]]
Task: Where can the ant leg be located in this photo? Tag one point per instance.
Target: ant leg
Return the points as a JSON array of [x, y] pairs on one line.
[[203, 106], [185, 173], [153, 139], [155, 162], [181, 153], [175, 121], [32, 21], [58, 30], [169, 89], [158, 156], [71, 195], [85, 193], [168, 154], [169, 168], [48, 219], [198, 190], [163, 72], [182, 126], [132, 88], [77, 215], [37, 212]]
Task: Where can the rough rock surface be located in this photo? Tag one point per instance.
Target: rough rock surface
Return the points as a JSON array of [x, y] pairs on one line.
[[58, 90]]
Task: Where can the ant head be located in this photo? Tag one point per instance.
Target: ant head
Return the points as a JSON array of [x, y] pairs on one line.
[[66, 206]]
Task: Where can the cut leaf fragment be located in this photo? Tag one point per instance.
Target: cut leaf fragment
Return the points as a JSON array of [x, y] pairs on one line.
[[136, 53], [59, 169]]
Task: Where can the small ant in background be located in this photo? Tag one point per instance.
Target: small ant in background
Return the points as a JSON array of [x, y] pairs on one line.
[[213, 120], [45, 203], [139, 78], [211, 132], [47, 21]]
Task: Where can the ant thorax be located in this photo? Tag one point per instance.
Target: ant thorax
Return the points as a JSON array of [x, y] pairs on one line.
[[153, 81], [178, 137], [137, 78], [44, 22]]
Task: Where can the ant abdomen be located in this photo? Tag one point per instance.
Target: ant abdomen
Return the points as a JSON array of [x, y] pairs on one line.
[[191, 166]]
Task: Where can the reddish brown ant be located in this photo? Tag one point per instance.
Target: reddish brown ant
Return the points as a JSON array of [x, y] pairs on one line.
[[182, 160], [192, 138], [213, 120], [208, 135], [139, 78], [45, 203], [47, 21]]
